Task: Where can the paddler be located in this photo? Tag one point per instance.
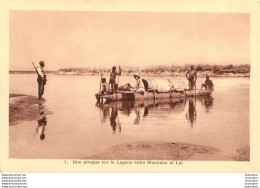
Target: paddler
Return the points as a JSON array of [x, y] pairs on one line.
[[41, 79], [112, 80], [191, 75], [104, 90], [208, 84], [139, 86]]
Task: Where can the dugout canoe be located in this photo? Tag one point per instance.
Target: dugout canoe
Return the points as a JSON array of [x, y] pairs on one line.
[[148, 95]]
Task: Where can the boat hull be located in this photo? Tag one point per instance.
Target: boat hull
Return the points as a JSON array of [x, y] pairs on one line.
[[121, 96]]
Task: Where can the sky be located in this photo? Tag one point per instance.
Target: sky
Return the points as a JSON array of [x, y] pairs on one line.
[[74, 39]]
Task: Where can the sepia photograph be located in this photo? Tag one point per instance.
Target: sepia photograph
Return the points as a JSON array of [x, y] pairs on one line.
[[126, 85]]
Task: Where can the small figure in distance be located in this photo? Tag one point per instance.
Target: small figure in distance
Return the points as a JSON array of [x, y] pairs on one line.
[[41, 79], [112, 80], [208, 84], [104, 90], [192, 77]]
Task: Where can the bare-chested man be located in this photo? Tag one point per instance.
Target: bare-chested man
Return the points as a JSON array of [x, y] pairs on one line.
[[191, 75], [112, 79], [208, 84]]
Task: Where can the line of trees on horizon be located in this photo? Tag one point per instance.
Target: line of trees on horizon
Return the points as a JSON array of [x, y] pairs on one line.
[[216, 69]]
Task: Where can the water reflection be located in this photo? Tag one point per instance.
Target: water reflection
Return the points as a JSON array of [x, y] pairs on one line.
[[140, 111], [105, 112], [207, 102], [111, 113], [41, 122], [191, 115], [114, 120]]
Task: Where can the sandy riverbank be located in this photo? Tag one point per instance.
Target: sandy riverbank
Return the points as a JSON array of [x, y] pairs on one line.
[[155, 150], [24, 108]]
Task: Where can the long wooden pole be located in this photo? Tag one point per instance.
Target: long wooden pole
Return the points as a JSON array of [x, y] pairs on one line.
[[118, 81], [100, 82], [195, 94], [35, 68]]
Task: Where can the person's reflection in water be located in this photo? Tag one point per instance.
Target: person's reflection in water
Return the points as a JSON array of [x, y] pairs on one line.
[[137, 118], [127, 106], [113, 119], [42, 122], [145, 111], [176, 104], [191, 115], [105, 113], [208, 103]]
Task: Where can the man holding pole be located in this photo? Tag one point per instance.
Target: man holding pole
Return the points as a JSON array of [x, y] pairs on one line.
[[112, 80], [41, 78]]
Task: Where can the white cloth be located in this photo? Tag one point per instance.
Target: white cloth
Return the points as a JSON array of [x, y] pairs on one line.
[[40, 71], [139, 84], [161, 85]]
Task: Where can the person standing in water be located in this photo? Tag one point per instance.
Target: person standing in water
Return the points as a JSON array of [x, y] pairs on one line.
[[41, 79], [191, 75], [112, 80]]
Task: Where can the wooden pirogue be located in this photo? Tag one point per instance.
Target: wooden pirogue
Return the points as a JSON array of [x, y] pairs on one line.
[[156, 89], [148, 95]]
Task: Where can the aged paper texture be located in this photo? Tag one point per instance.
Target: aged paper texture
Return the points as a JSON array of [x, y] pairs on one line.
[[129, 86]]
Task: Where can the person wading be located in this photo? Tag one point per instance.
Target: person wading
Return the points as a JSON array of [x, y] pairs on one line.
[[112, 80], [191, 75], [41, 79]]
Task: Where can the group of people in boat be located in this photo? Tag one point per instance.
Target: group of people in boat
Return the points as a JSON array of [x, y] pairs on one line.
[[191, 76], [105, 87]]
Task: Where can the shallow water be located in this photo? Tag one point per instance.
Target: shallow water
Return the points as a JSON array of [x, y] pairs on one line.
[[78, 127]]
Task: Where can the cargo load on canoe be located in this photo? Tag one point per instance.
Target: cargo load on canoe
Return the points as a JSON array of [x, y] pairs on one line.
[[157, 85], [154, 89]]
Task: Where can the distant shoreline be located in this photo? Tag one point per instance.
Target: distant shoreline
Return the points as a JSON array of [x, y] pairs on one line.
[[159, 71], [200, 74]]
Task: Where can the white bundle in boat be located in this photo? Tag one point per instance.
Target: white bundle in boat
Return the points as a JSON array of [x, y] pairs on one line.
[[160, 85]]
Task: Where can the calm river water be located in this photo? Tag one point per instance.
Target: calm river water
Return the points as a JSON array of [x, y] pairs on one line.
[[78, 127]]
